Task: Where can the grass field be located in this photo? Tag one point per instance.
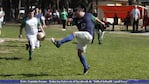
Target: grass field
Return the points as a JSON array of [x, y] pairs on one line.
[[121, 56]]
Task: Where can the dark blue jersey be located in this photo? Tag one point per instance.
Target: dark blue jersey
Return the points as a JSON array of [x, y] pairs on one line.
[[85, 23], [39, 17]]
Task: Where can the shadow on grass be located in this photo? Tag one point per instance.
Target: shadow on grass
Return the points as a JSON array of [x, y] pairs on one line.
[[15, 45], [74, 43], [10, 58], [33, 75], [7, 75], [45, 74]]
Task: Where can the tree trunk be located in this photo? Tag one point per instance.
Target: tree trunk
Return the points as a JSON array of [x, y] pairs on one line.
[[57, 4]]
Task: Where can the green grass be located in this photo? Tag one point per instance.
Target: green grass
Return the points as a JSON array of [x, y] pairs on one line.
[[121, 56]]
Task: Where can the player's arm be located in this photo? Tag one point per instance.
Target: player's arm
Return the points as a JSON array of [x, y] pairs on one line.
[[43, 21], [97, 20], [21, 28], [40, 26], [73, 21]]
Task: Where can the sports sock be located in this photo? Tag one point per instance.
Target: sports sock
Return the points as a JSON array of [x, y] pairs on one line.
[[30, 54], [66, 39], [83, 61]]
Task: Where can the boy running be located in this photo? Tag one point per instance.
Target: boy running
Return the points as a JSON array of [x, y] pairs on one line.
[[31, 25]]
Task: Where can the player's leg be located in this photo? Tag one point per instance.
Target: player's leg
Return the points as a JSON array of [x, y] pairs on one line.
[[64, 25], [137, 24], [82, 58], [37, 44], [31, 45], [64, 40], [30, 51], [100, 36], [93, 36], [0, 27], [133, 30], [0, 31], [83, 39]]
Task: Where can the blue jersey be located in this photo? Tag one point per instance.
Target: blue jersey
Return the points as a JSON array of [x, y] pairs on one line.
[[86, 23], [39, 16]]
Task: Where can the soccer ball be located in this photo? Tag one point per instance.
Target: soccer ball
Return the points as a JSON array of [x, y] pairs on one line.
[[41, 36]]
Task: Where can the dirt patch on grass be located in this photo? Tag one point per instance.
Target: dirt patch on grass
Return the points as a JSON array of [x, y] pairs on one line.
[[1, 40]]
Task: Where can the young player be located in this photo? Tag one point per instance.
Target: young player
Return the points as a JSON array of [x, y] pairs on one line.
[[41, 19], [85, 24], [99, 29], [31, 25]]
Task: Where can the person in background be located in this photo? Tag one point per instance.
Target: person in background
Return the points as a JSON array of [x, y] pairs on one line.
[[70, 16], [63, 16], [41, 19], [115, 21], [48, 16], [145, 21], [135, 15], [99, 29], [56, 16], [95, 13], [127, 20], [2, 14]]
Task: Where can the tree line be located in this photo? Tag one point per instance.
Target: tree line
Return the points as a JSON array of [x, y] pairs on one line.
[[13, 6]]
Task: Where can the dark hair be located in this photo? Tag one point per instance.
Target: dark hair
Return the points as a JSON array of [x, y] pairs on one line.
[[30, 10], [78, 9]]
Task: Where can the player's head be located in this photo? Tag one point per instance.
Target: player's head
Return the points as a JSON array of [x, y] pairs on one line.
[[79, 12], [30, 13], [135, 6]]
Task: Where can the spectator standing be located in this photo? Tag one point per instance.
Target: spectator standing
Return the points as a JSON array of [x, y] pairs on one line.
[[135, 15], [115, 21], [48, 16], [55, 16], [70, 16], [145, 21], [63, 16], [127, 21]]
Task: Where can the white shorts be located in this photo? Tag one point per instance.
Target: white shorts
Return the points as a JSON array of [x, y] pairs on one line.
[[32, 40], [83, 38]]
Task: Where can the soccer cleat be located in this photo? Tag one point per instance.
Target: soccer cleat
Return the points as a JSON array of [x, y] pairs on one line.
[[55, 42], [63, 29], [86, 70], [99, 42], [30, 58]]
